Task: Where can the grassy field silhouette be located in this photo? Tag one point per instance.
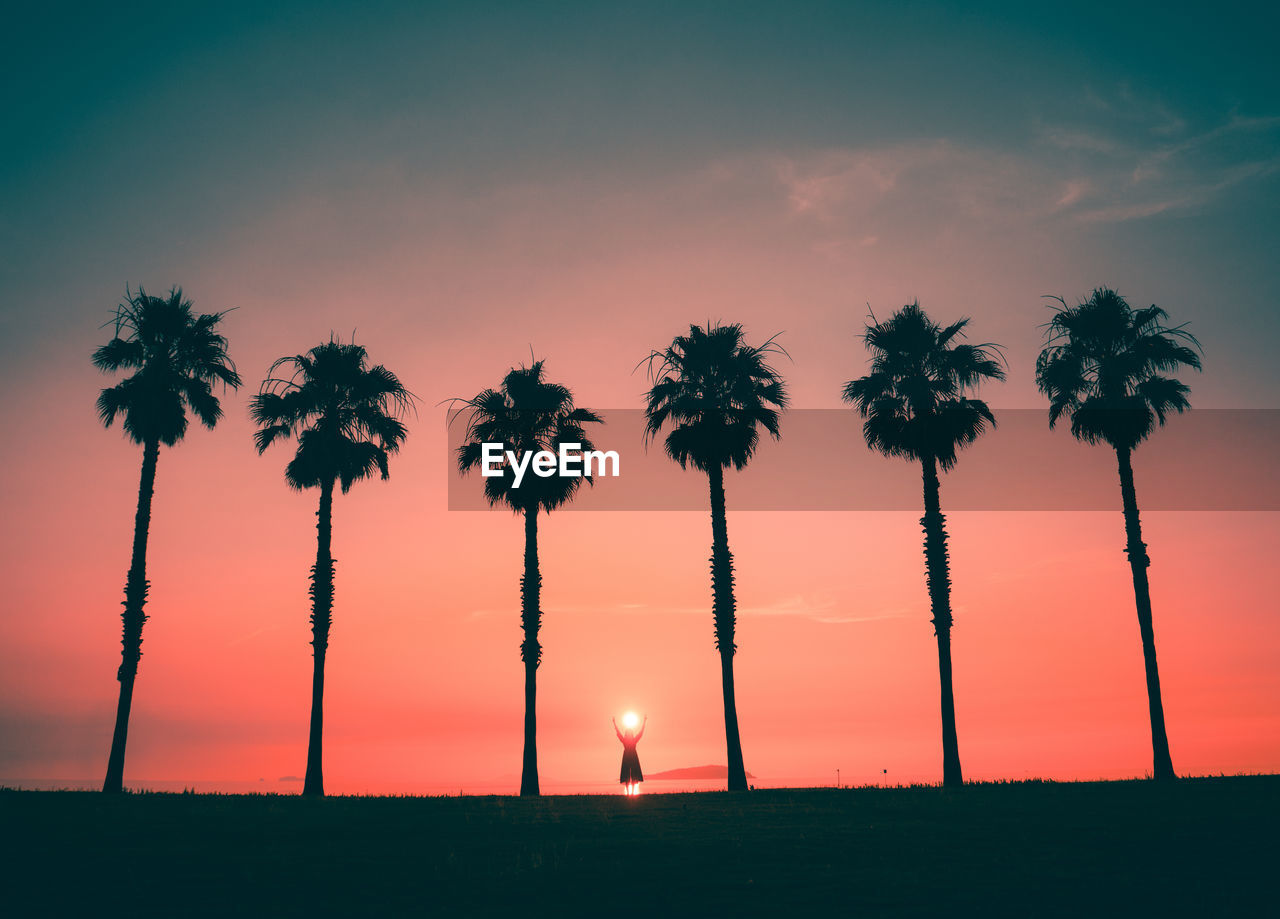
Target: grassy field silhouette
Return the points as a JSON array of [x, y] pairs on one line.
[[1198, 846]]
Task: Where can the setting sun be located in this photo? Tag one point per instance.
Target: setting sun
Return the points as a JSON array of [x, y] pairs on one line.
[[630, 720]]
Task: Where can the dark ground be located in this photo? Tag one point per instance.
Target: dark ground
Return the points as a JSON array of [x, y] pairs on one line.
[[1198, 847]]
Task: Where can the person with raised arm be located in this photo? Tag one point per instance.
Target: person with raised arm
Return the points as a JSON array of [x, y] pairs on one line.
[[631, 776]]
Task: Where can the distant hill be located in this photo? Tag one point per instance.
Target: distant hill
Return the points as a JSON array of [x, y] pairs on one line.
[[694, 772]]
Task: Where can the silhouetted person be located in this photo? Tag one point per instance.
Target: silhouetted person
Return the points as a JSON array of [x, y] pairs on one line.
[[631, 776]]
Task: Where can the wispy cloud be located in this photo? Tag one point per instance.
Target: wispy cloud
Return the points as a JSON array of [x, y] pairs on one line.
[[842, 620], [823, 608], [1076, 139], [1074, 191], [1160, 167], [1074, 174]]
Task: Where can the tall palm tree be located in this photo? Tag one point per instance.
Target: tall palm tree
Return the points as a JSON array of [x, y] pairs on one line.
[[716, 392], [915, 405], [1104, 365], [527, 414], [346, 416], [178, 356]]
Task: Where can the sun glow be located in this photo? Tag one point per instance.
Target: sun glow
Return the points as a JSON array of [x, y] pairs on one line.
[[630, 720]]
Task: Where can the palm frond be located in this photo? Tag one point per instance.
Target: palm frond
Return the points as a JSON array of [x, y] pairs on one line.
[[914, 399], [714, 393], [347, 415], [526, 414], [177, 355], [1106, 366]]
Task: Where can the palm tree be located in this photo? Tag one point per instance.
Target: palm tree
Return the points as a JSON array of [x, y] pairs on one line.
[[346, 417], [716, 392], [526, 414], [1104, 365], [178, 357], [915, 405]]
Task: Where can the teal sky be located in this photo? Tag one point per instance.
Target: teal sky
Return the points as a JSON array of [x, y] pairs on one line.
[[141, 141]]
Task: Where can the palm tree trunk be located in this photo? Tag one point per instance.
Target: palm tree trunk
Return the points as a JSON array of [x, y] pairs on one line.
[[1138, 562], [530, 650], [321, 619], [135, 598], [939, 581], [724, 611]]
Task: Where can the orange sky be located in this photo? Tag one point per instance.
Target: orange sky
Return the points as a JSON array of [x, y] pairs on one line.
[[837, 667], [455, 206]]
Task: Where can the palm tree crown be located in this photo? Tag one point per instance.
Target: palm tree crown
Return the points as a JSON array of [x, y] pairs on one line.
[[716, 392], [527, 413], [914, 399], [178, 356], [1104, 366], [346, 414]]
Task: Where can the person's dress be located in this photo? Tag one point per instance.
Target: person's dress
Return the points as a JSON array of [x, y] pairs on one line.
[[630, 763]]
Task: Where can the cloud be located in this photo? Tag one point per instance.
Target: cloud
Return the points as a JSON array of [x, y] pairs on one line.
[[1073, 175], [1068, 139], [823, 608], [796, 605], [1130, 211], [1126, 106], [1073, 192], [838, 180], [842, 620]]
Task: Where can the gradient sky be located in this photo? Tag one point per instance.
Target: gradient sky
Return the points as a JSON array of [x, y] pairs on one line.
[[456, 184]]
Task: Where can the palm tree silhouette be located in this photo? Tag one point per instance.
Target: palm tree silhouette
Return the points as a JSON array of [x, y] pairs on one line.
[[346, 416], [178, 357], [1103, 365], [915, 407], [716, 392], [526, 414]]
